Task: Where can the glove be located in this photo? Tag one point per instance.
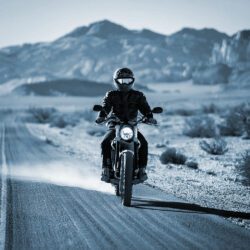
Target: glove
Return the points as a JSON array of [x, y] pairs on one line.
[[100, 120], [151, 120]]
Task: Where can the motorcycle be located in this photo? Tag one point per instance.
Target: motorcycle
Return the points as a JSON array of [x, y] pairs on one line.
[[124, 154]]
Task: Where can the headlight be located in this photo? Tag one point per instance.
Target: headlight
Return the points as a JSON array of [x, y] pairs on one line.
[[126, 133]]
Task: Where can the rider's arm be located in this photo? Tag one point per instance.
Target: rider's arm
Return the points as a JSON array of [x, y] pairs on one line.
[[106, 104], [144, 107]]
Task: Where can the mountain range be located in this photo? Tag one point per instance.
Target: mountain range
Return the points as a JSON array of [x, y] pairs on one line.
[[93, 52]]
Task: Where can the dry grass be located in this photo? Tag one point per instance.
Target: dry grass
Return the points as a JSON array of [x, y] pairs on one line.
[[56, 118], [233, 124], [210, 109], [216, 146], [42, 115], [171, 155], [200, 126], [245, 167]]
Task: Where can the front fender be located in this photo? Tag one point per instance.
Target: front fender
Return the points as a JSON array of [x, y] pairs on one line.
[[127, 146]]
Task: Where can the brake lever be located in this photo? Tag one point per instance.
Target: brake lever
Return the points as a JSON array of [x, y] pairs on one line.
[[149, 123]]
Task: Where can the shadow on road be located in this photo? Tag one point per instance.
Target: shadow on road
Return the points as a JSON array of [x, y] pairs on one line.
[[185, 207]]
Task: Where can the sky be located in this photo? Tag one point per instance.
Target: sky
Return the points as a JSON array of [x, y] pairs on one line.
[[29, 21]]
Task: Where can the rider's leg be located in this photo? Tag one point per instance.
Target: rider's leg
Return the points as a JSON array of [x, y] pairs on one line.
[[143, 157], [106, 154]]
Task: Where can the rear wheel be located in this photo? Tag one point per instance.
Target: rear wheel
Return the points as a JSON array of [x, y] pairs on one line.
[[126, 178]]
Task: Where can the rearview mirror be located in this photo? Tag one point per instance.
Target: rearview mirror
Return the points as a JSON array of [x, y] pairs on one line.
[[157, 110], [97, 108]]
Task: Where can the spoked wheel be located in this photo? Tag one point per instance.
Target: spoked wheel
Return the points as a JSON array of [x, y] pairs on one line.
[[126, 178]]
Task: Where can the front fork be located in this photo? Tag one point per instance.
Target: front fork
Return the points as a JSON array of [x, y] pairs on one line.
[[119, 147]]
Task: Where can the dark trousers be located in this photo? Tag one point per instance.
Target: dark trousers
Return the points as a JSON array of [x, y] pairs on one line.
[[106, 148]]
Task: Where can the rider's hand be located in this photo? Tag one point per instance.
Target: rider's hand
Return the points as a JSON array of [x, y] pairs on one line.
[[100, 120], [151, 121]]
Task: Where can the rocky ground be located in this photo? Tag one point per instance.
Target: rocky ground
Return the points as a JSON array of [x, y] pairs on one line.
[[217, 181]]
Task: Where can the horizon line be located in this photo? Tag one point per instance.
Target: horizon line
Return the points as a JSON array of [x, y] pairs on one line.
[[102, 20]]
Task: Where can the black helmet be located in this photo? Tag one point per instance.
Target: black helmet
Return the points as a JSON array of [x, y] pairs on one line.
[[123, 79]]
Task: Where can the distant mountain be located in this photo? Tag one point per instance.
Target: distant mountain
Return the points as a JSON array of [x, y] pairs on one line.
[[230, 62], [234, 50], [93, 53], [104, 29]]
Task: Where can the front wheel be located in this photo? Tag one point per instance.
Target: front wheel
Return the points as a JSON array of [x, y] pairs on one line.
[[126, 178]]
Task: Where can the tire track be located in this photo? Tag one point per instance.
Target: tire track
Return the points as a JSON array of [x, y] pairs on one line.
[[129, 223], [107, 224], [157, 232]]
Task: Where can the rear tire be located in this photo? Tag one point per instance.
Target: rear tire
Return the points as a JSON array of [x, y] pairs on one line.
[[126, 178]]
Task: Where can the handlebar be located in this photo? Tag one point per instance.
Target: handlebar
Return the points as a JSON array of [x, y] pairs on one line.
[[134, 123], [99, 108]]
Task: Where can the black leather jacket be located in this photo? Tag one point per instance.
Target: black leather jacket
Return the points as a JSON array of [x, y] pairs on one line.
[[125, 105]]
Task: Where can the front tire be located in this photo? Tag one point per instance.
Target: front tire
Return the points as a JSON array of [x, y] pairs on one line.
[[126, 178]]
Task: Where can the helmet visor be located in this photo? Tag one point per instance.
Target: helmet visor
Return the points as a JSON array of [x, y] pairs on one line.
[[126, 81]]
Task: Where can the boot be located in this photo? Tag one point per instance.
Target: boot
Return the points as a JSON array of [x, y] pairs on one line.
[[106, 170], [106, 174], [142, 174]]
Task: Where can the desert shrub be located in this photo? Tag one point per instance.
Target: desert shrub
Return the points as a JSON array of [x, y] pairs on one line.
[[50, 142], [191, 164], [216, 146], [184, 112], [54, 117], [62, 120], [171, 155], [42, 115], [160, 145], [200, 126], [180, 111], [245, 167], [210, 109], [212, 173], [59, 122], [96, 131], [245, 114], [233, 124]]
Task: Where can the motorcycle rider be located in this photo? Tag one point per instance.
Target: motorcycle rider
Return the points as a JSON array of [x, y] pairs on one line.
[[124, 103]]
